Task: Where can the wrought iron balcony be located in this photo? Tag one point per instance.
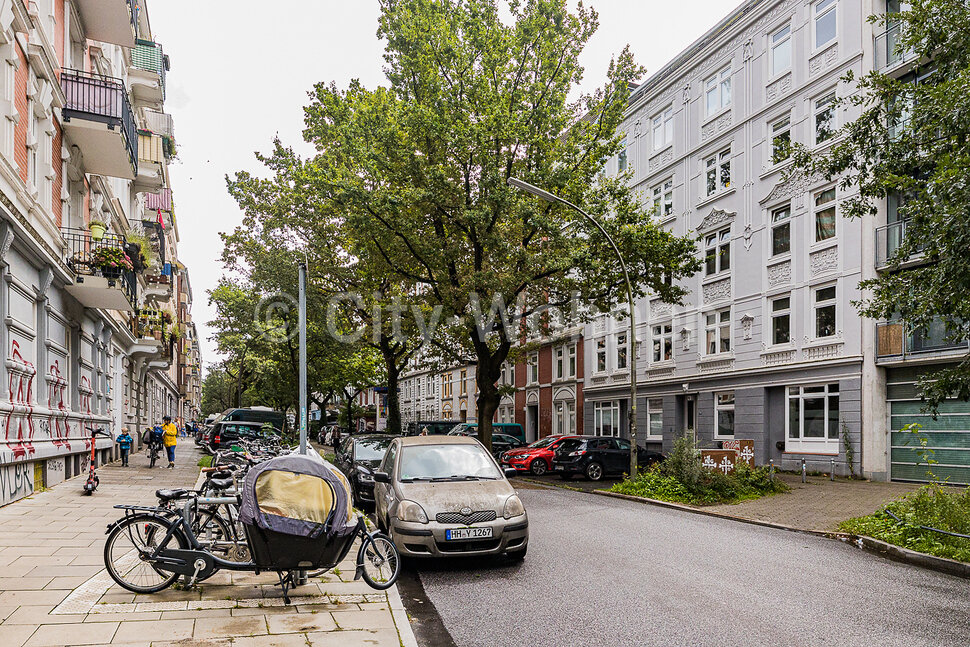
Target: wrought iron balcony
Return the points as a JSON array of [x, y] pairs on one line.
[[888, 240], [96, 283], [147, 72], [110, 21], [888, 50], [896, 341], [99, 120]]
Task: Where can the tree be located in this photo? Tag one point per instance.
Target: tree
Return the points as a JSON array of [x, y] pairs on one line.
[[421, 169], [911, 145], [218, 391]]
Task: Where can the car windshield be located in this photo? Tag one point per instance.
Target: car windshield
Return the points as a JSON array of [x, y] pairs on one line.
[[543, 442], [372, 449], [570, 444], [446, 463]]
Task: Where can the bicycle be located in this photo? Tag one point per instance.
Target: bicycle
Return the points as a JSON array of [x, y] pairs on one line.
[[154, 451]]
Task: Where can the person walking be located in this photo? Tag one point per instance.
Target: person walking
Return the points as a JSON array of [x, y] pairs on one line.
[[124, 443], [170, 435]]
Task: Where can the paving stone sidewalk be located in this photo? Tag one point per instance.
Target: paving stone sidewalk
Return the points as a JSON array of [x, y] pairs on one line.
[[54, 590]]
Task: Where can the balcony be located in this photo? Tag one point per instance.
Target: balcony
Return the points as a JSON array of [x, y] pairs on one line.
[[888, 240], [889, 56], [96, 284], [110, 21], [160, 201], [897, 343], [147, 73], [160, 123], [99, 120], [152, 163]]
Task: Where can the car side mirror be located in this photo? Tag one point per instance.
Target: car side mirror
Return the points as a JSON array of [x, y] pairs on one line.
[[509, 472], [382, 477]]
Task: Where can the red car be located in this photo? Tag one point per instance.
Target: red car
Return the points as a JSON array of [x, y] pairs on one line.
[[535, 458]]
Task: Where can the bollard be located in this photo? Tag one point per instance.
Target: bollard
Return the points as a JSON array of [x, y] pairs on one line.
[[832, 472], [804, 472], [771, 470]]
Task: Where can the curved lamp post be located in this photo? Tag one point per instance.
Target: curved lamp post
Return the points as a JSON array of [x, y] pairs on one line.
[[550, 197]]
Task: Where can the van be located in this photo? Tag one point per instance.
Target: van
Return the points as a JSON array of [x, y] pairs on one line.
[[508, 428], [254, 414]]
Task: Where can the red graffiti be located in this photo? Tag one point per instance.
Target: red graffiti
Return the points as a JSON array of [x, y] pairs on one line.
[[85, 393], [23, 396], [56, 386]]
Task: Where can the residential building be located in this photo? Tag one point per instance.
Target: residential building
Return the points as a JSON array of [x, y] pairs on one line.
[[84, 152]]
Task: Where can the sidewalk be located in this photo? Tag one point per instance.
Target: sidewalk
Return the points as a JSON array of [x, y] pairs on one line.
[[54, 589]]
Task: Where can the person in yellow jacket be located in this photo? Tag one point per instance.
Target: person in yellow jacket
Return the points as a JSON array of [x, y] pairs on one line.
[[170, 435]]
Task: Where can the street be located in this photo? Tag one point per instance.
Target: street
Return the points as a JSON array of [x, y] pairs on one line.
[[602, 571]]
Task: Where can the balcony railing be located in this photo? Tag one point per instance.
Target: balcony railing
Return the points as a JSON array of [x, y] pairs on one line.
[[889, 238], [149, 324], [896, 340], [888, 52], [148, 56], [81, 255], [102, 99]]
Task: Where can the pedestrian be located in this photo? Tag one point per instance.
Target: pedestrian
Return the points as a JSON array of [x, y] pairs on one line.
[[124, 443], [336, 439], [169, 438]]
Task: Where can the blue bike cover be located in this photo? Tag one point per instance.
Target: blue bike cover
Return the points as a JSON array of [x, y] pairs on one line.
[[296, 494]]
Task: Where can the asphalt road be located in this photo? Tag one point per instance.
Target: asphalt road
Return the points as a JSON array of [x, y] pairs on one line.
[[608, 572]]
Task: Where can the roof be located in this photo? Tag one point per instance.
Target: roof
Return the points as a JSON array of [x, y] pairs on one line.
[[407, 441]]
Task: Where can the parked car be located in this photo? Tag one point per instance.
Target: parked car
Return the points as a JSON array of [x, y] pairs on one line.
[[536, 457], [501, 442], [224, 434], [598, 456], [253, 414], [429, 427], [358, 459], [506, 428], [439, 496]]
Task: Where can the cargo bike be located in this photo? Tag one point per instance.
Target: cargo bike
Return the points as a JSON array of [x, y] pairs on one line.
[[298, 517]]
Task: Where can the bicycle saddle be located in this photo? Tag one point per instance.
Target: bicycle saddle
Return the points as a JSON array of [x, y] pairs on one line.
[[221, 484], [221, 475], [168, 495]]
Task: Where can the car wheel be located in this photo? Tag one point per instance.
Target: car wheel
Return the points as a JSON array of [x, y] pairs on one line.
[[594, 471], [518, 555], [538, 467]]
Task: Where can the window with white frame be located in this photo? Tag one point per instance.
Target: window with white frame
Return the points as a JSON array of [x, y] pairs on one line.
[[663, 198], [621, 157], [781, 140], [559, 362], [512, 374], [621, 351], [663, 342], [824, 118], [655, 417], [724, 414], [565, 417], [824, 214], [533, 368], [824, 303], [781, 231], [812, 418], [717, 252], [780, 43], [32, 145], [571, 360], [717, 172], [781, 320], [600, 355], [718, 332], [663, 128], [606, 418], [826, 21], [717, 92]]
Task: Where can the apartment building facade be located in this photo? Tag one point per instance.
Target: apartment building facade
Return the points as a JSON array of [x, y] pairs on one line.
[[767, 345], [93, 329]]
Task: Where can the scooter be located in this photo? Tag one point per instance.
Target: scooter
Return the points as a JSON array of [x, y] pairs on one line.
[[92, 483]]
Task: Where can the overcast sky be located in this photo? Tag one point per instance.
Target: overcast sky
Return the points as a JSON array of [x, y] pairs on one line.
[[241, 70]]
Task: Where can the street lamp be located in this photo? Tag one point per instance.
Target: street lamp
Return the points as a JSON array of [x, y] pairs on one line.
[[550, 197]]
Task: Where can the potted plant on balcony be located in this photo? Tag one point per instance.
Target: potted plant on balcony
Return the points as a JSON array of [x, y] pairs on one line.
[[111, 261], [97, 229]]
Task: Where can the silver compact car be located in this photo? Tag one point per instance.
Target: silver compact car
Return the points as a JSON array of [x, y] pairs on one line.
[[439, 496]]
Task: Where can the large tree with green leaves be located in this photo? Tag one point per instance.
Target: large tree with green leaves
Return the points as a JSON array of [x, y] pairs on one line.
[[911, 146]]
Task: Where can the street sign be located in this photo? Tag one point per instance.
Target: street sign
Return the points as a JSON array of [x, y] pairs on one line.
[[744, 448], [722, 460]]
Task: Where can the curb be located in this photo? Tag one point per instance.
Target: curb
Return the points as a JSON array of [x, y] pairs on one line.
[[400, 616]]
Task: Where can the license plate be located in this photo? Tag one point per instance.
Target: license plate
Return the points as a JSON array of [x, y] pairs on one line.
[[558, 468], [468, 533]]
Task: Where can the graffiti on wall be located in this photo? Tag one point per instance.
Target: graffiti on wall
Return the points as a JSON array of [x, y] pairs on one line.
[[57, 425], [16, 482], [20, 391]]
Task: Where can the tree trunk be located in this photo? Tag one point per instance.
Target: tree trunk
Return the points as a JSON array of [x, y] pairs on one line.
[[487, 372], [393, 373]]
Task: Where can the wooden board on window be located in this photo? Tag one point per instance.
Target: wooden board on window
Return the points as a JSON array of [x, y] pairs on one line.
[[889, 340], [722, 460], [743, 447]]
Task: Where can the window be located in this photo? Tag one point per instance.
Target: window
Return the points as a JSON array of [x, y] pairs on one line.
[[724, 414], [655, 417], [719, 332], [718, 172], [781, 320], [826, 21], [813, 417], [512, 374], [663, 198], [780, 50], [825, 214], [565, 417], [600, 355], [781, 140], [621, 157], [824, 118], [533, 368], [606, 418], [781, 231], [463, 377], [663, 128], [621, 353], [663, 342], [717, 256], [825, 311], [446, 385], [32, 145], [558, 361], [571, 359], [717, 91]]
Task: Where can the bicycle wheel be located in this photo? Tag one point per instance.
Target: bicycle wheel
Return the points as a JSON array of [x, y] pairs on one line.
[[211, 529], [126, 554], [381, 561], [152, 457]]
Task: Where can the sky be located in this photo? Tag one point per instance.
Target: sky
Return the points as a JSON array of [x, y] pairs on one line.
[[241, 70]]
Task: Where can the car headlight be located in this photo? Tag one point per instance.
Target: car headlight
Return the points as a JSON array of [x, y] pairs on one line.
[[412, 512], [513, 507]]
